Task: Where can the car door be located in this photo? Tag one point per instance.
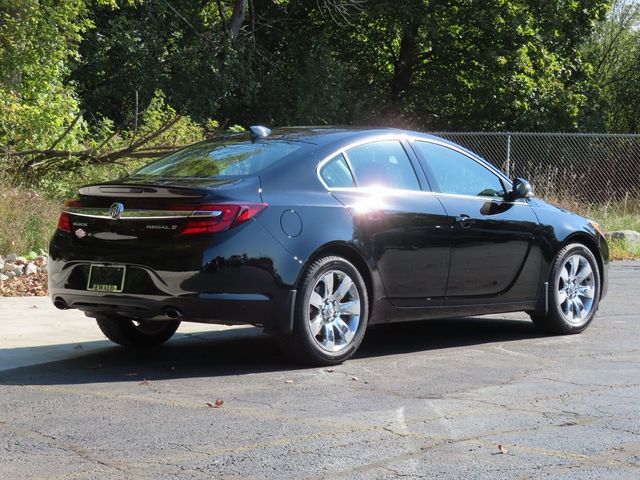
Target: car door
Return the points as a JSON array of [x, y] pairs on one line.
[[404, 227], [492, 236]]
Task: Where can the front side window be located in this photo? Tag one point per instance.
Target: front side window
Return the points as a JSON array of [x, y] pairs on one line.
[[459, 174], [220, 159], [383, 164]]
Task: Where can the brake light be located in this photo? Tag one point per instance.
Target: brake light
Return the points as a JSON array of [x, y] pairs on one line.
[[214, 218], [64, 222]]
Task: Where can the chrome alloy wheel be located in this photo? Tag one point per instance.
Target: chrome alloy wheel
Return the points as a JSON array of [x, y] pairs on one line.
[[576, 289], [334, 311]]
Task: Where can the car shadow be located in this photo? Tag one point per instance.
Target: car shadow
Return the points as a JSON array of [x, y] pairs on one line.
[[247, 350]]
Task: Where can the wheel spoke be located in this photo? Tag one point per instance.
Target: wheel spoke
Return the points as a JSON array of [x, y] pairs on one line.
[[581, 312], [585, 291], [316, 325], [343, 328], [562, 296], [329, 338], [564, 274], [328, 285], [574, 262], [584, 273], [350, 308], [343, 288], [316, 300]]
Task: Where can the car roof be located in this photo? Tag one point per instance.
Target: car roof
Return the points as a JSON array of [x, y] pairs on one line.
[[324, 135]]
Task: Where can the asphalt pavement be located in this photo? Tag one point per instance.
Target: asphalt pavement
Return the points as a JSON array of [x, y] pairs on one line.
[[468, 398]]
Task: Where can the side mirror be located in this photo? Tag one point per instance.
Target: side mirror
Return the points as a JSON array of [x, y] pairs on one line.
[[521, 189]]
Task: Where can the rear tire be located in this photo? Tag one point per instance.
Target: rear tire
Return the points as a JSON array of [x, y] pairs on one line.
[[139, 333], [331, 314], [573, 292]]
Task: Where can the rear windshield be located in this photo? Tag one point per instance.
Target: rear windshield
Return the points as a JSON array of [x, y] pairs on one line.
[[220, 159]]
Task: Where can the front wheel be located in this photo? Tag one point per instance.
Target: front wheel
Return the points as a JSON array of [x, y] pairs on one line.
[[331, 314], [137, 333], [573, 292]]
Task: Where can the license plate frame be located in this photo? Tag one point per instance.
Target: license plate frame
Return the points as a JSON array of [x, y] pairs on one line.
[[114, 282]]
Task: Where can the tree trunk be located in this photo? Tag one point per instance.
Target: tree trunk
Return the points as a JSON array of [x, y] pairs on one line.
[[405, 63], [239, 12]]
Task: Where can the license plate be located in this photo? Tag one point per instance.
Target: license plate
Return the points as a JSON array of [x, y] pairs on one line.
[[109, 279]]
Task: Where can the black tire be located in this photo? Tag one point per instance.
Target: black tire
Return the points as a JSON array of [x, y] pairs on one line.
[[138, 334], [302, 345], [556, 320]]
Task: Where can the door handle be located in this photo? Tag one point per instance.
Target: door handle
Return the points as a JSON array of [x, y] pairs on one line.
[[464, 220]]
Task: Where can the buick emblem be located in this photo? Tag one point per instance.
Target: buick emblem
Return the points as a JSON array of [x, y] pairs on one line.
[[80, 233], [116, 210]]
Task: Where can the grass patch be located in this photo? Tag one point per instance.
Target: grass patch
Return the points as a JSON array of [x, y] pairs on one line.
[[27, 220], [612, 216], [623, 250]]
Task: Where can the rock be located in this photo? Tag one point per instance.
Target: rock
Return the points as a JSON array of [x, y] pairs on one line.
[[30, 269], [18, 271], [3, 277], [44, 268], [10, 275], [1, 264], [21, 261], [630, 236], [40, 260], [8, 267], [11, 258]]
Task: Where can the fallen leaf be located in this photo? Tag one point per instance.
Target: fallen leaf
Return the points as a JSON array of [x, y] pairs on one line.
[[217, 404], [330, 370], [355, 379], [288, 381], [502, 449]]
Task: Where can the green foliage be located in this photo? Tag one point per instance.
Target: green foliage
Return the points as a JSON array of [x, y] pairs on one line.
[[613, 53], [38, 40]]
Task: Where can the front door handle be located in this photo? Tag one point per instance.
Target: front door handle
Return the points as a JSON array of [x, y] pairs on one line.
[[464, 220]]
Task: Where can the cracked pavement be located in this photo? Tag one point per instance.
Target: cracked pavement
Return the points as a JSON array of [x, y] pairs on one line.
[[421, 400]]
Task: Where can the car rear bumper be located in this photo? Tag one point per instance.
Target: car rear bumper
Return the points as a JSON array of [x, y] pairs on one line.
[[273, 314], [243, 276]]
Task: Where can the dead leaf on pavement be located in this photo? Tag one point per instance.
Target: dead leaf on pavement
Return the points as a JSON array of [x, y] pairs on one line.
[[502, 449]]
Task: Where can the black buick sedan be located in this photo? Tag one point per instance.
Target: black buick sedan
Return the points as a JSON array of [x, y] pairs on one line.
[[314, 234]]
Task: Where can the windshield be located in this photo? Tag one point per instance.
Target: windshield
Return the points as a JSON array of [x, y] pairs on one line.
[[216, 159]]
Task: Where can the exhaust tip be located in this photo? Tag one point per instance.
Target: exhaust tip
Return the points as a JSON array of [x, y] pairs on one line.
[[173, 313], [60, 304]]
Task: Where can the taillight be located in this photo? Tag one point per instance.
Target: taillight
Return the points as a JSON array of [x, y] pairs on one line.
[[64, 222], [214, 218]]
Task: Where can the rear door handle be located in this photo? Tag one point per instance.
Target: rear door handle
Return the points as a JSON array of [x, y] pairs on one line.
[[464, 220]]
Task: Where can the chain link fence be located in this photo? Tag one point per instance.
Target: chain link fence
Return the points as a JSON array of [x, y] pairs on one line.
[[566, 168]]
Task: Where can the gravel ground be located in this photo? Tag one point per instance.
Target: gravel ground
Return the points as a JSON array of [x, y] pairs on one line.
[[477, 398]]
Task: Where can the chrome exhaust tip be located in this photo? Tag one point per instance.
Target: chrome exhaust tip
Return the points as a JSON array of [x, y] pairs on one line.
[[60, 304], [173, 313]]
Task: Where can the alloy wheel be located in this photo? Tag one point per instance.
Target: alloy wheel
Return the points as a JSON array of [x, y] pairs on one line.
[[334, 311]]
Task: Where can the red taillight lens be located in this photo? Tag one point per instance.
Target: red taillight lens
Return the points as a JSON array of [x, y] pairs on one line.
[[214, 218], [64, 222]]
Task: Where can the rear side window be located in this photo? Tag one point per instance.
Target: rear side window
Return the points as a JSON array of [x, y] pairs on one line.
[[458, 174], [336, 173], [220, 159], [383, 163]]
